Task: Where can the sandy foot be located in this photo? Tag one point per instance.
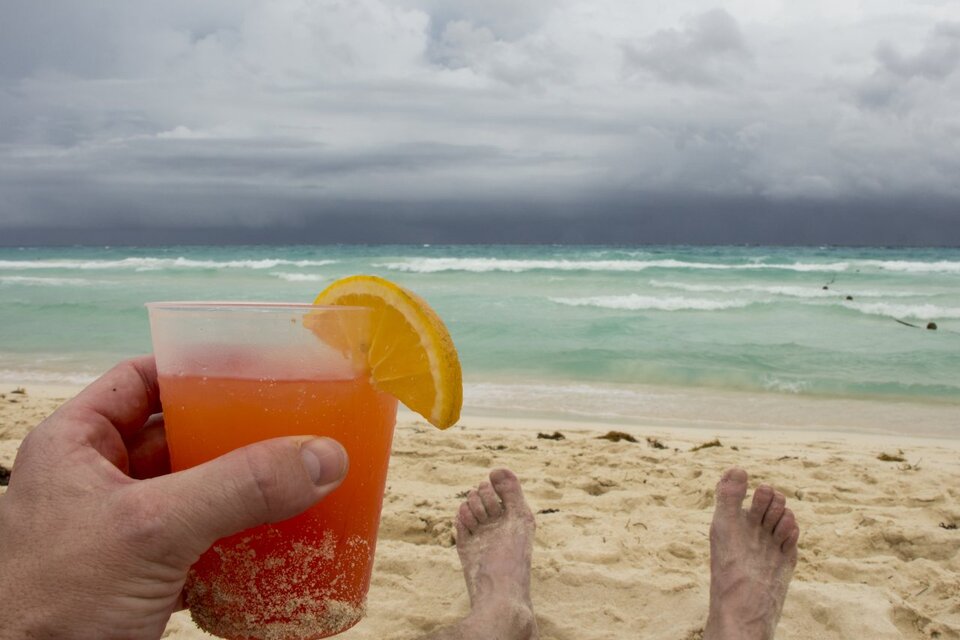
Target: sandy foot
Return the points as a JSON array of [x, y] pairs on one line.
[[495, 542], [752, 556]]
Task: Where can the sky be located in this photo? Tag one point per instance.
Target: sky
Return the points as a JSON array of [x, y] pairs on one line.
[[656, 121]]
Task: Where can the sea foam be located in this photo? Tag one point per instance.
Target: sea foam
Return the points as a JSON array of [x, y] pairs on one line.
[[153, 264], [912, 266], [793, 291], [299, 277], [634, 302], [51, 282], [486, 265], [924, 312]]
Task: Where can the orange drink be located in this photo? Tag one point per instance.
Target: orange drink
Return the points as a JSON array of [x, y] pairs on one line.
[[233, 374]]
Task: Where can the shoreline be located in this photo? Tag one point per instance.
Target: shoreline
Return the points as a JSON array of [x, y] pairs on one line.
[[697, 409]]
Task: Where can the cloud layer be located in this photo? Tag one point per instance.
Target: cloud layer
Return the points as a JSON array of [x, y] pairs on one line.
[[178, 114]]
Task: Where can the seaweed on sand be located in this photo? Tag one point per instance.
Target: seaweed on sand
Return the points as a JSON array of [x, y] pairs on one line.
[[891, 457], [556, 435], [617, 436], [706, 445]]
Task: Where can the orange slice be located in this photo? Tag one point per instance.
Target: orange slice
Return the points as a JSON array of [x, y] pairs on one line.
[[409, 350]]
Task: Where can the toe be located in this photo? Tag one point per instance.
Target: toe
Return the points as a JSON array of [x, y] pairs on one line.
[[466, 517], [774, 511], [476, 506], [761, 502], [507, 486], [789, 545], [731, 490], [785, 527], [462, 531], [491, 503]]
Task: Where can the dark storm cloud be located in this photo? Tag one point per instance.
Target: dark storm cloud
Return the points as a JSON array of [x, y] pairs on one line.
[[567, 120]]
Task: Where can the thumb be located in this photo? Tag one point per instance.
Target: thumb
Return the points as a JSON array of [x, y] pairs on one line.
[[264, 482]]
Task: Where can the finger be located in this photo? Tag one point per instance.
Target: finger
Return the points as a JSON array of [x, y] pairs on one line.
[[113, 407], [147, 450], [264, 482], [126, 395]]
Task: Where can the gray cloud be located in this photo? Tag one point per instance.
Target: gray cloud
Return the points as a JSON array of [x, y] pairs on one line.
[[175, 115], [937, 59], [706, 50], [900, 78]]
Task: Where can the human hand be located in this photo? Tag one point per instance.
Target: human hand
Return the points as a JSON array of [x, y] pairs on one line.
[[96, 536]]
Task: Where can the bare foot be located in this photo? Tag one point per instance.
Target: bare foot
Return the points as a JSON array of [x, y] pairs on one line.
[[752, 556], [495, 542]]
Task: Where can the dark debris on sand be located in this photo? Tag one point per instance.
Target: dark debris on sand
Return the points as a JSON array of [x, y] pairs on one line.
[[544, 511], [949, 526], [4, 476], [556, 435], [654, 443], [891, 457], [706, 445], [617, 436]]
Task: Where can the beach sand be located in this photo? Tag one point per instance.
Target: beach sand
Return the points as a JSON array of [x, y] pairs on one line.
[[622, 545]]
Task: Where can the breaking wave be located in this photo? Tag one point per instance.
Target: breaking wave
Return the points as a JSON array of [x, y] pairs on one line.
[[916, 312], [780, 290], [634, 302], [32, 281], [299, 277], [155, 264], [486, 265]]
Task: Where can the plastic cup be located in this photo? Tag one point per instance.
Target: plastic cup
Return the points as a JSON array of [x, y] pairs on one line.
[[232, 374]]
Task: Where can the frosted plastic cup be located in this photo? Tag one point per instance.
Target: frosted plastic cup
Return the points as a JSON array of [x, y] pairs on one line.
[[234, 373]]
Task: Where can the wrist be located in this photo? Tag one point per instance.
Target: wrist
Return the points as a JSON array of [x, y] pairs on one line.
[[26, 611]]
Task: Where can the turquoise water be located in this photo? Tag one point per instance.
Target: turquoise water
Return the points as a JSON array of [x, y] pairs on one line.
[[540, 317]]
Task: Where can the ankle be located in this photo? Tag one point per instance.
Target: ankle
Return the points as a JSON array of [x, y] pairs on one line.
[[719, 627], [729, 626], [502, 617]]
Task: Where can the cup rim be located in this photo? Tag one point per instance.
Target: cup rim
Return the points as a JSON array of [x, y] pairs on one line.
[[201, 305]]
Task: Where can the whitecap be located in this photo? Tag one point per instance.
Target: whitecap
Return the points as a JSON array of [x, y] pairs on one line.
[[917, 312], [153, 264], [634, 302], [486, 265], [909, 266], [38, 281], [813, 291], [299, 277], [771, 383]]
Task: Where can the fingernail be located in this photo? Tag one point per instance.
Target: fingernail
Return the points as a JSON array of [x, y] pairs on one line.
[[325, 460]]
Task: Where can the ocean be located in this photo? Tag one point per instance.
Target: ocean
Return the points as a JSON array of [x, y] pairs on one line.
[[576, 330]]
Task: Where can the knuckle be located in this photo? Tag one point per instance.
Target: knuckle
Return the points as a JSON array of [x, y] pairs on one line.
[[271, 491], [139, 516]]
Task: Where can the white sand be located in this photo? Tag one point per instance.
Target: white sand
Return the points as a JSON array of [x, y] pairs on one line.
[[626, 552]]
